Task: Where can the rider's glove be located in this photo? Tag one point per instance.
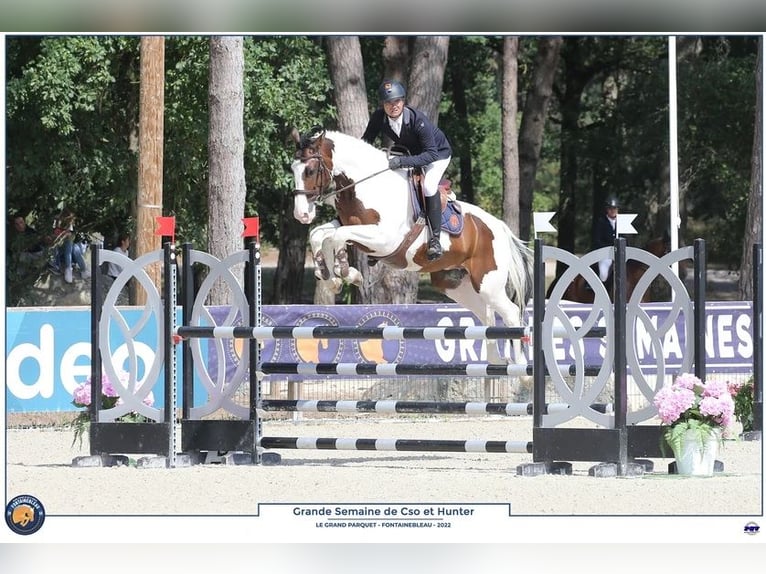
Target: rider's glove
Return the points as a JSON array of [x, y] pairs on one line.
[[395, 162]]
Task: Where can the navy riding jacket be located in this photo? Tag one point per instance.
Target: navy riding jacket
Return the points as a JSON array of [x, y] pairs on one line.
[[604, 234], [425, 142]]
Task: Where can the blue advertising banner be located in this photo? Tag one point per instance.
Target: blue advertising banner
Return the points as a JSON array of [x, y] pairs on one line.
[[48, 350]]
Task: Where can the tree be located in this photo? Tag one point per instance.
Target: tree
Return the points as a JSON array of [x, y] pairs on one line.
[[533, 122], [754, 221], [151, 145], [226, 195], [510, 133]]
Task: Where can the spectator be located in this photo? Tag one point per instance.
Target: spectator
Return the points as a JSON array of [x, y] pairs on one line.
[[123, 245], [68, 249], [26, 243], [113, 269]]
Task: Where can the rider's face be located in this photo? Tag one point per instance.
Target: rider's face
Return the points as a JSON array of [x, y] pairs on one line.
[[394, 108]]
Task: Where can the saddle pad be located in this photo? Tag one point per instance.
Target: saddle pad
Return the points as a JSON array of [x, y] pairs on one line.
[[452, 219]]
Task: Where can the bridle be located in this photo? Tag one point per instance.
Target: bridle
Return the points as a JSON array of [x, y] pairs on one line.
[[323, 192], [322, 180]]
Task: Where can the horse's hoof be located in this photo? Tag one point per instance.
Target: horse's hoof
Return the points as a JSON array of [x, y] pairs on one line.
[[320, 267], [354, 277]]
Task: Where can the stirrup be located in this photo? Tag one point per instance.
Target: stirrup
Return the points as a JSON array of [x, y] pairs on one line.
[[434, 250]]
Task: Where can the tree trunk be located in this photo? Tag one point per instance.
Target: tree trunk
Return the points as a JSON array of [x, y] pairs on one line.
[[347, 71], [226, 149], [465, 153], [754, 221], [288, 279], [533, 126], [510, 133], [396, 57], [150, 130], [576, 77], [429, 61]]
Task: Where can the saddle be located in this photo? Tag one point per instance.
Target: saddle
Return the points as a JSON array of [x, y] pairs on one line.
[[452, 215]]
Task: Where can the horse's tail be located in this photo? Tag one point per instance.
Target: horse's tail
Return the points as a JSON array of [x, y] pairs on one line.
[[520, 270]]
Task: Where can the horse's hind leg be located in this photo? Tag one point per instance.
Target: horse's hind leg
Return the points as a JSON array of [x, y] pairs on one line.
[[457, 286]]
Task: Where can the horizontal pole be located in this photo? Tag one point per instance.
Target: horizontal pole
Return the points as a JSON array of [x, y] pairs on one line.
[[387, 407], [419, 445], [390, 333], [394, 369]]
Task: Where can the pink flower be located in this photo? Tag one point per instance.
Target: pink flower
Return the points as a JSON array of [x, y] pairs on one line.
[[720, 408], [687, 381], [671, 401], [81, 395], [734, 388], [715, 389]]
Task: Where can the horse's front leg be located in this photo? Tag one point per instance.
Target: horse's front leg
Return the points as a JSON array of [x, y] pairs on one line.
[[317, 237]]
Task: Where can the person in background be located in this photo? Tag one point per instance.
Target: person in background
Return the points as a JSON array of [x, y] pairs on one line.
[[114, 269], [605, 233], [26, 241], [427, 145], [68, 249], [122, 247]]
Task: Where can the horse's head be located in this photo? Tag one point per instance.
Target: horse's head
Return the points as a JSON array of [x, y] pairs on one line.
[[312, 170]]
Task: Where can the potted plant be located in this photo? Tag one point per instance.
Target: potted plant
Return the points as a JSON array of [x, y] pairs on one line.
[[81, 398], [694, 414], [743, 403]]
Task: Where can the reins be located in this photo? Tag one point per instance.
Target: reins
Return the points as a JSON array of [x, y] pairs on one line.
[[329, 194]]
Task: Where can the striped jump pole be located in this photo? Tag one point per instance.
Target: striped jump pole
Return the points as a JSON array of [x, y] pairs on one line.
[[411, 445], [389, 333], [396, 369], [392, 407]]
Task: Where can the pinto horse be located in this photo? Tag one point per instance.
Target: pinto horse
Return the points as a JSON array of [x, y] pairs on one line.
[[580, 292], [485, 267]]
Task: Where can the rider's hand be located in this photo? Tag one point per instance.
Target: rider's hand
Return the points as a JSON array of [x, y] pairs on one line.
[[395, 162]]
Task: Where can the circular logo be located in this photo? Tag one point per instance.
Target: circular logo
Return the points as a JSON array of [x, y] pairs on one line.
[[24, 514], [379, 350], [317, 350]]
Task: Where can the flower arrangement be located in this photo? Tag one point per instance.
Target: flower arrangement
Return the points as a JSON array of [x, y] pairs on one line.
[[743, 403], [689, 404], [81, 398]]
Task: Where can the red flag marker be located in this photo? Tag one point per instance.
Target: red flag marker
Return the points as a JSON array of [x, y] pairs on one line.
[[252, 225], [166, 226]]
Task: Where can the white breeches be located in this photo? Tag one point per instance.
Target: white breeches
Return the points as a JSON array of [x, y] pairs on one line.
[[433, 175]]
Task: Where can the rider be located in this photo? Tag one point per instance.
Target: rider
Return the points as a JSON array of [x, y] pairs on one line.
[[426, 143], [605, 233]]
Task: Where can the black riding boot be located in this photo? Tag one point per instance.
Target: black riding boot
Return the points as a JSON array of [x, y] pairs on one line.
[[434, 214]]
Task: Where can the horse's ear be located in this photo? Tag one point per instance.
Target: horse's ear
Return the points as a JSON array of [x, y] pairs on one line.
[[316, 133]]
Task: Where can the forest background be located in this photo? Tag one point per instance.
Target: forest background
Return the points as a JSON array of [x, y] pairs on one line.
[[537, 123]]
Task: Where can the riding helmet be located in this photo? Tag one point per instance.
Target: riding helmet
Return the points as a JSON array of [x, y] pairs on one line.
[[391, 90], [612, 202]]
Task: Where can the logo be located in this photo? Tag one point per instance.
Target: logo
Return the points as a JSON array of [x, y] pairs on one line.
[[751, 528], [24, 514]]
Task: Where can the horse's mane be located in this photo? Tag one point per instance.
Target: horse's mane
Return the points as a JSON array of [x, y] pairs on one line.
[[358, 158]]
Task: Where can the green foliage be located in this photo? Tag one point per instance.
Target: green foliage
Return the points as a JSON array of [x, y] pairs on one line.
[[717, 114], [743, 405], [676, 435], [72, 106]]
